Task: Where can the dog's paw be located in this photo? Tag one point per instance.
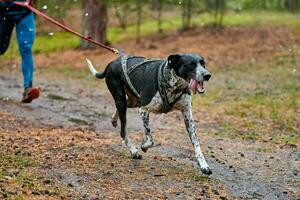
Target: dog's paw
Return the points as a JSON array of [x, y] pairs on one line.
[[146, 145], [136, 155], [114, 123], [206, 171], [144, 149]]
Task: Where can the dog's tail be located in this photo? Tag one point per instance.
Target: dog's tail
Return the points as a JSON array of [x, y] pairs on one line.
[[99, 75]]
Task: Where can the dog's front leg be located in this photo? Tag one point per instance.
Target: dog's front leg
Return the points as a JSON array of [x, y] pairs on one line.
[[186, 108], [144, 113]]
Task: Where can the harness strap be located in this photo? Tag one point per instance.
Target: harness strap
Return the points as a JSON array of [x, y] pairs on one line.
[[163, 86], [148, 60], [125, 71], [163, 93]]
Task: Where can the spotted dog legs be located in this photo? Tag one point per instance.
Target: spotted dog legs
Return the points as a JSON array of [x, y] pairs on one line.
[[144, 113], [133, 150], [186, 108]]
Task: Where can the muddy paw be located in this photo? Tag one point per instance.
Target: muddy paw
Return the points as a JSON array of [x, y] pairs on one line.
[[145, 146], [136, 155], [144, 149], [114, 123], [206, 171]]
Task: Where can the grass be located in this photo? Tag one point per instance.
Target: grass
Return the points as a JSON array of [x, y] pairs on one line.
[[17, 176], [46, 43], [68, 72], [18, 180], [256, 102], [260, 18], [13, 161]]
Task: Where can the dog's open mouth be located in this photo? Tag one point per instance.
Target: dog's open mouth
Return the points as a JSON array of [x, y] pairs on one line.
[[196, 86]]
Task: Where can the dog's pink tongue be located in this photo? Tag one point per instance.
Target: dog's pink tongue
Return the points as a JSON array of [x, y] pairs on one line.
[[196, 86], [193, 85]]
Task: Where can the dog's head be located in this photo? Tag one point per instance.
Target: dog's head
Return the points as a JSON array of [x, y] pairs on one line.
[[190, 67]]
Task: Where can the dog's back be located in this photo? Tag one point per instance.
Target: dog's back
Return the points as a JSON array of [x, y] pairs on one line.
[[142, 73]]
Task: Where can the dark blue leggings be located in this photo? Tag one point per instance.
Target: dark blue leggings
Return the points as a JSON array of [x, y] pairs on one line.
[[25, 30]]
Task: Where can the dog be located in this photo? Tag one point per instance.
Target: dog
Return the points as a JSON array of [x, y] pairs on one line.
[[159, 86]]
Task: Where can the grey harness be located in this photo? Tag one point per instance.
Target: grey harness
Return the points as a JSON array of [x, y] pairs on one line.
[[168, 93], [127, 70], [163, 85]]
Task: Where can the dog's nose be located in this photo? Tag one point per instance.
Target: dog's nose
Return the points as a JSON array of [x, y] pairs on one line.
[[206, 76]]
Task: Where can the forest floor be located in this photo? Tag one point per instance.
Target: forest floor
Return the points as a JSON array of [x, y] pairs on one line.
[[62, 146]]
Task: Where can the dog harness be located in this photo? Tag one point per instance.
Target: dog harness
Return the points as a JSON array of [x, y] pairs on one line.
[[127, 70], [169, 94]]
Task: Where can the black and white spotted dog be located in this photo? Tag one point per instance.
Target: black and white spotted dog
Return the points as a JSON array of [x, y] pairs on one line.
[[156, 85]]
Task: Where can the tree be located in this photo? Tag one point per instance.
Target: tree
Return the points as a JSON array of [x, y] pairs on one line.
[[158, 6], [122, 9], [138, 20], [218, 7], [94, 22], [291, 5], [186, 14]]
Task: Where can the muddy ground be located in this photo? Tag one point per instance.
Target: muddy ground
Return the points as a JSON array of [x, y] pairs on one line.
[[63, 146]]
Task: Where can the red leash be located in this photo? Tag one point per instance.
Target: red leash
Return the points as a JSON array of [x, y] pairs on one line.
[[36, 11]]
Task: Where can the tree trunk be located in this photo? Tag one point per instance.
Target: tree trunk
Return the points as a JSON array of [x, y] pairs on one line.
[[94, 22], [121, 14], [291, 5], [159, 16], [139, 21], [186, 14], [219, 12], [189, 13]]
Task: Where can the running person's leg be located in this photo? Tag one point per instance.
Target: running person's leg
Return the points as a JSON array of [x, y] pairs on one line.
[[6, 28], [25, 29]]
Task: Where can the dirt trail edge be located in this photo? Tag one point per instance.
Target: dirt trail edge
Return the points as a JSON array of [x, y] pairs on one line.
[[238, 165]]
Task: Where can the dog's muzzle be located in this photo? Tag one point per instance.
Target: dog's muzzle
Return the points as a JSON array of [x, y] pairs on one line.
[[198, 86]]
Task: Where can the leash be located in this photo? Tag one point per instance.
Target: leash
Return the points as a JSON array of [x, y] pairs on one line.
[[27, 5]]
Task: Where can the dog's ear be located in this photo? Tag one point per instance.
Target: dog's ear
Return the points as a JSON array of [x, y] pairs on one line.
[[174, 61]]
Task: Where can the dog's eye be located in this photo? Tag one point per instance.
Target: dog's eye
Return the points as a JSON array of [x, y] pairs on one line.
[[194, 63], [202, 62], [190, 65]]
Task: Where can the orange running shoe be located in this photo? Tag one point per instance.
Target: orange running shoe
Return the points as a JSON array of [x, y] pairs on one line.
[[30, 94]]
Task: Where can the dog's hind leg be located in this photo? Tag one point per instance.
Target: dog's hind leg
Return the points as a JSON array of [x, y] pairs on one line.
[[114, 118], [144, 113], [122, 109], [118, 93]]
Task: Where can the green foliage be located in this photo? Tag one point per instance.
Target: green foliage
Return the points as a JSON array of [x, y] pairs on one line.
[[14, 161], [18, 178], [279, 5], [59, 41], [55, 8], [46, 43]]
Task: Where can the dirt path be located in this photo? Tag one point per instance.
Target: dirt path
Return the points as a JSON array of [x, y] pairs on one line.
[[68, 132]]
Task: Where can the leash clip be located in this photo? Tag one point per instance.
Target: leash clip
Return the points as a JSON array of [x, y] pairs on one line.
[[120, 52]]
